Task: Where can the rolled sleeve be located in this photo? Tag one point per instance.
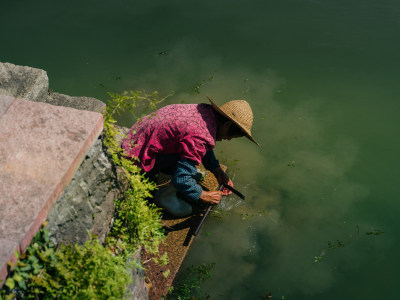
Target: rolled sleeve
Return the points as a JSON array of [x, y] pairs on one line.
[[184, 180]]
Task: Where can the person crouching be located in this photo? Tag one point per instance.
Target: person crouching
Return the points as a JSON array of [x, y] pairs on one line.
[[176, 138]]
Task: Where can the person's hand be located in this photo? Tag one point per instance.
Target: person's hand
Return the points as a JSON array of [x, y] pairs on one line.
[[212, 197], [223, 178], [226, 191]]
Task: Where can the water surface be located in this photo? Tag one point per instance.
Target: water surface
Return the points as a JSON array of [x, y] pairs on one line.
[[322, 78]]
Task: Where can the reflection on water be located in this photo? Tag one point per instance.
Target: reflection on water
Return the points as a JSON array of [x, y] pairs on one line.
[[322, 78]]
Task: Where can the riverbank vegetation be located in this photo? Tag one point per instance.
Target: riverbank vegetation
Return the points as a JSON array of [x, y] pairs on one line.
[[88, 271], [137, 222]]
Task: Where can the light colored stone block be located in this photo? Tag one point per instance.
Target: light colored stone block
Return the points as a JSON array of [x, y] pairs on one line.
[[23, 82], [41, 147]]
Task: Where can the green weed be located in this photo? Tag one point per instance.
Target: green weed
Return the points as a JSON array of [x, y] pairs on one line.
[[89, 271], [190, 284], [137, 222], [339, 244]]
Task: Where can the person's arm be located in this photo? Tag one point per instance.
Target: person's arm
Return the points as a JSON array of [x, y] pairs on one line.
[[209, 161], [184, 182]]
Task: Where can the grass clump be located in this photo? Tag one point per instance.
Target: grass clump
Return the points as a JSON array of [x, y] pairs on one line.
[[88, 271]]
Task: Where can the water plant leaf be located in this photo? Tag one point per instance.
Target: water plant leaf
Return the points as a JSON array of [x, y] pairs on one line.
[[374, 232]]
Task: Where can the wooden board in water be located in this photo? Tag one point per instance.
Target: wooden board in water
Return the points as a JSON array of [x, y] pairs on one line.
[[179, 236]]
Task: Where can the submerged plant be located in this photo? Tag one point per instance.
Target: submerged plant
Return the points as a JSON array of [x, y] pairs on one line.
[[196, 88], [245, 216], [374, 232], [190, 283], [339, 244], [218, 213]]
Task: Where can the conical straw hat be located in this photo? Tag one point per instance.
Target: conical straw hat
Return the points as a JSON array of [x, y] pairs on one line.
[[240, 113]]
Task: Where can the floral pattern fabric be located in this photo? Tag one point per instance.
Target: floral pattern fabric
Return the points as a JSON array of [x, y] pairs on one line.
[[186, 129]]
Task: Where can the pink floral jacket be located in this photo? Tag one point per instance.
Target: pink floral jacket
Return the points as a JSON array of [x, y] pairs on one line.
[[186, 129]]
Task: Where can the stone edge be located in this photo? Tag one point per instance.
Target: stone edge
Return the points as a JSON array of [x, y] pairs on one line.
[[11, 259]]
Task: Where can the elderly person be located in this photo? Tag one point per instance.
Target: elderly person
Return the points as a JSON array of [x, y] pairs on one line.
[[177, 137]]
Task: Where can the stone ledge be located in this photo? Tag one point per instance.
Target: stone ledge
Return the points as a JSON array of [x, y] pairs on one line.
[[41, 147], [23, 82], [33, 84], [81, 103]]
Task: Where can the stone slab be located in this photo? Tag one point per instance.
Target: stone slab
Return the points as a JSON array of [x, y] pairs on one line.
[[41, 147], [5, 102]]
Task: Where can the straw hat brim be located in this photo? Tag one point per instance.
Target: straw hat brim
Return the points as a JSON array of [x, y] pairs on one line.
[[219, 110]]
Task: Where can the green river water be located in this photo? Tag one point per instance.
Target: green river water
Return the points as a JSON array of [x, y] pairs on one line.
[[321, 218]]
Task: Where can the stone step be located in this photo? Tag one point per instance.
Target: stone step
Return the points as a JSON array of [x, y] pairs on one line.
[[41, 147]]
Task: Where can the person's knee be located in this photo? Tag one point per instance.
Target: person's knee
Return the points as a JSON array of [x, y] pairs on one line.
[[167, 198]]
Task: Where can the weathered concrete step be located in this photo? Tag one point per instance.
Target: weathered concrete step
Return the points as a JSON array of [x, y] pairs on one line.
[[41, 147]]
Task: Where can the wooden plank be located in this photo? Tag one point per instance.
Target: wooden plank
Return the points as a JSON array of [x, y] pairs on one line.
[[179, 237]]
